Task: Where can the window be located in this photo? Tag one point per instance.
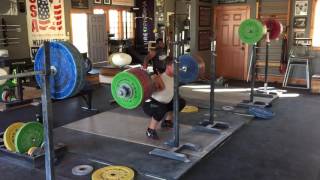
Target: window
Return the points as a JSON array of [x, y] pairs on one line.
[[114, 27], [79, 33], [121, 24], [127, 23], [316, 24]]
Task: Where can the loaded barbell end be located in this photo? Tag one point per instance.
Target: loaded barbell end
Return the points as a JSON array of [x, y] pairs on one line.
[[124, 91], [53, 70], [184, 69]]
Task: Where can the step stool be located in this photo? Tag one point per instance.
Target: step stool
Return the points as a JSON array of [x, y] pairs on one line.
[[298, 61]]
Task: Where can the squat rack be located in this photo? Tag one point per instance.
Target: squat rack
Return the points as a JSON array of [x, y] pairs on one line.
[[46, 109], [208, 126]]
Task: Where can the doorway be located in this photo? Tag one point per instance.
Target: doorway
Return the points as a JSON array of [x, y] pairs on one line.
[[232, 54]]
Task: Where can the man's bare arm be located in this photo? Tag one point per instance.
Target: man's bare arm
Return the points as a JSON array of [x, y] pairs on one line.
[[146, 60]]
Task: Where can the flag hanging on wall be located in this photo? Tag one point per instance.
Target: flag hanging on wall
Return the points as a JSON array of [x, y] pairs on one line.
[[46, 22], [144, 23]]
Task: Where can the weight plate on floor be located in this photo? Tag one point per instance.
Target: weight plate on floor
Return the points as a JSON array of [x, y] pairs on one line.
[[35, 151], [274, 28], [3, 72], [262, 113], [190, 109], [130, 88], [188, 69], [251, 31], [227, 108], [9, 136], [29, 135], [113, 173], [69, 70], [82, 170], [120, 59]]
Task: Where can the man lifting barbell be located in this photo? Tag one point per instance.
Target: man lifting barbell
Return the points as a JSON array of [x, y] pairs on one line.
[[157, 57], [161, 102], [134, 87]]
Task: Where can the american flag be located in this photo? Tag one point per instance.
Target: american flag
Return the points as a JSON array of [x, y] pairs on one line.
[[44, 14]]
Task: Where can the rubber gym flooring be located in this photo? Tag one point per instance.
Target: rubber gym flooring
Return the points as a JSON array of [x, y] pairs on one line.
[[284, 148]]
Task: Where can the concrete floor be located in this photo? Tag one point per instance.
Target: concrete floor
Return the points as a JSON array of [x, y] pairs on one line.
[[284, 148]]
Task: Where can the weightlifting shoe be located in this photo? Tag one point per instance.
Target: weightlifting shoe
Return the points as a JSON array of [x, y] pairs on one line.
[[152, 133], [167, 124]]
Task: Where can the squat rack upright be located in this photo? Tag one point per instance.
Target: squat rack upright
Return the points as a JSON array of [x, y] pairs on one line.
[[46, 109]]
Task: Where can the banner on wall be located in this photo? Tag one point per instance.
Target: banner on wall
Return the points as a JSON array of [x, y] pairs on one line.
[[144, 23], [46, 22]]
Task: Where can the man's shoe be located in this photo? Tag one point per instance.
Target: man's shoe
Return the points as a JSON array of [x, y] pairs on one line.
[[167, 124], [152, 133]]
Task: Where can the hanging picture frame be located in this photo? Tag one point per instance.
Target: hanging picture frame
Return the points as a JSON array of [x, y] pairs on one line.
[[97, 1], [300, 22], [204, 16], [301, 8], [106, 2]]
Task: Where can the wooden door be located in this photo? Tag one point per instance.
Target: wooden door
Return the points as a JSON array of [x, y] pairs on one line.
[[232, 54], [97, 38]]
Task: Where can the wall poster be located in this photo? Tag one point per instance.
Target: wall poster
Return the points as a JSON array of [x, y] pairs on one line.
[[45, 22], [300, 22], [301, 8], [204, 16]]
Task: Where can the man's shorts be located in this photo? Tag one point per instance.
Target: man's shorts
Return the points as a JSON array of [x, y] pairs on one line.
[[158, 110]]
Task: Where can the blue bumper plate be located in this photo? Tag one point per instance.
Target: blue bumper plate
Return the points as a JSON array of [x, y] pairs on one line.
[[65, 60], [189, 69]]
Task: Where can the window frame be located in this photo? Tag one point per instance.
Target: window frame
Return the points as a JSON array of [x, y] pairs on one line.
[[313, 5], [130, 32], [119, 21], [119, 9]]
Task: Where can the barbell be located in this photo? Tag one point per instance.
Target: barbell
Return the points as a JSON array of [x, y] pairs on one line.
[[132, 87], [252, 31], [68, 70]]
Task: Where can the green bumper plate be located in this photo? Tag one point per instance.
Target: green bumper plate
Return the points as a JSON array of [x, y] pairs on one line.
[[128, 79], [251, 31], [29, 135]]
